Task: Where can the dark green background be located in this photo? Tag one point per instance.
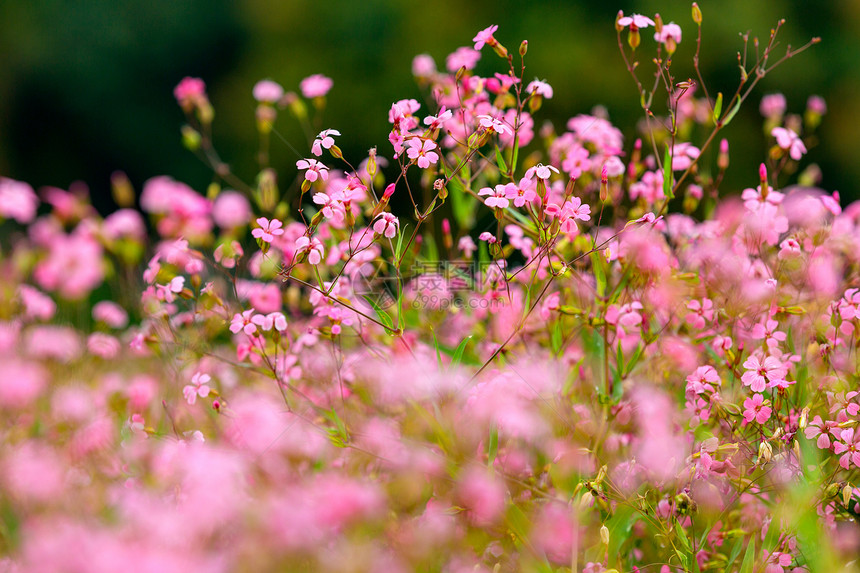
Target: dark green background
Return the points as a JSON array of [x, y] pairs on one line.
[[86, 86]]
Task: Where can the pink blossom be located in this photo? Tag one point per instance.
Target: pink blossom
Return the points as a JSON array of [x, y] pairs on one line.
[[769, 332], [315, 169], [37, 304], [17, 201], [20, 382], [772, 105], [190, 91], [423, 66], [754, 408], [316, 85], [494, 125], [821, 431], [700, 313], [434, 122], [243, 322], [313, 247], [325, 140], [198, 387], [540, 88], [485, 36], [103, 345], [462, 58], [332, 209], [268, 230], [275, 320], [849, 446], [422, 150], [540, 171], [231, 210], [110, 313], [670, 30], [573, 210], [762, 374], [498, 197], [268, 91], [788, 139], [386, 224], [635, 21]]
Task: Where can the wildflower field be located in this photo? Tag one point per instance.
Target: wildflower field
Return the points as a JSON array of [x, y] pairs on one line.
[[489, 344]]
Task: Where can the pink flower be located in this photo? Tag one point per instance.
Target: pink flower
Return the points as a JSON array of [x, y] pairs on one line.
[[198, 387], [485, 36], [498, 198], [313, 247], [268, 230], [754, 408], [848, 445], [189, 91], [422, 150], [635, 21], [332, 209], [700, 313], [17, 201], [769, 332], [267, 91], [763, 374], [103, 345], [423, 66], [491, 124], [540, 88], [315, 169], [821, 430], [569, 213], [386, 224], [324, 140], [540, 171], [434, 122], [670, 30], [462, 58], [243, 322], [110, 313], [788, 139], [275, 320], [316, 85], [772, 105], [230, 210]]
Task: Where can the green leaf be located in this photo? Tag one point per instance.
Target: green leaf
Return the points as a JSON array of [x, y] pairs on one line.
[[736, 550], [667, 174], [515, 154], [399, 245], [556, 337], [731, 114], [597, 265], [501, 161], [619, 526], [438, 352], [718, 107], [458, 353], [494, 446], [749, 557], [380, 313]]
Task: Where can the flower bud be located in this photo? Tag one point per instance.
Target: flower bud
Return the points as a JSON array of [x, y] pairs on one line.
[[336, 152], [697, 14], [500, 50], [633, 37], [846, 493], [604, 184], [658, 23], [389, 191], [524, 47], [447, 239], [121, 189], [804, 418], [765, 452], [723, 157], [762, 175], [190, 138], [604, 534], [619, 27], [371, 162]]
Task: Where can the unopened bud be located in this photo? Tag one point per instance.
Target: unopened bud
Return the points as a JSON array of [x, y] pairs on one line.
[[723, 157], [524, 47], [619, 27], [762, 175], [371, 162], [535, 103], [604, 184], [658, 23], [446, 234], [336, 152], [190, 138], [389, 191], [846, 493], [633, 37], [460, 73], [765, 452], [697, 14], [804, 418], [604, 534], [121, 189], [832, 490]]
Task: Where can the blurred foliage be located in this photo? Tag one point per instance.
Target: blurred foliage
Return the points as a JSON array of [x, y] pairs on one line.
[[86, 86]]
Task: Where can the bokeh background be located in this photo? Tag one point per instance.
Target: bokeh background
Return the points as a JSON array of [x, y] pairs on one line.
[[86, 85]]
